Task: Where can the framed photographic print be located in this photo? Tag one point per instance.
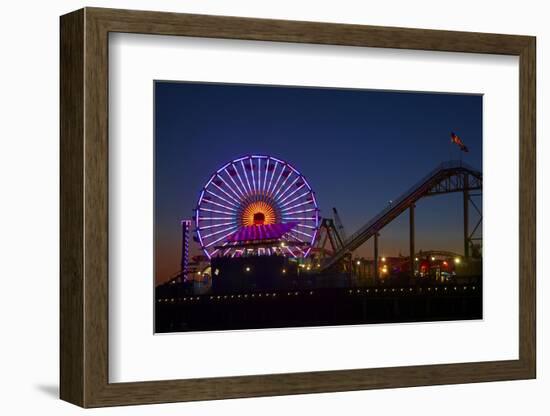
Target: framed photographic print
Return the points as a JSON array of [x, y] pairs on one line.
[[257, 207], [259, 250]]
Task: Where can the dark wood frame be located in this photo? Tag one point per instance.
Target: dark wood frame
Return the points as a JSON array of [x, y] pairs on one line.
[[84, 209]]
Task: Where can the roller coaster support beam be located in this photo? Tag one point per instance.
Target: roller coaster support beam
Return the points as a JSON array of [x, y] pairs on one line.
[[375, 262], [466, 202], [411, 239]]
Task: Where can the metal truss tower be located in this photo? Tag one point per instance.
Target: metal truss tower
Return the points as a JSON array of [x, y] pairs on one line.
[[185, 232]]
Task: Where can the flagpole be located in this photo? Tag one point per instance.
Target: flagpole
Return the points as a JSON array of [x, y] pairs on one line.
[[451, 150]]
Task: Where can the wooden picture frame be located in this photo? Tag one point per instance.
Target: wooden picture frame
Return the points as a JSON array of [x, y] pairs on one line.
[[84, 207]]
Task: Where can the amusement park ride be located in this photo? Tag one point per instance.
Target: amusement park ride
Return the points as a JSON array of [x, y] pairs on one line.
[[257, 205], [259, 213]]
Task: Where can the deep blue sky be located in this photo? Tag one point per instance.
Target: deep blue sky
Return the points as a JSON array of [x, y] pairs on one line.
[[358, 149]]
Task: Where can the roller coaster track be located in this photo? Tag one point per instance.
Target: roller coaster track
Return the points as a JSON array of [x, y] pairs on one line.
[[452, 176]]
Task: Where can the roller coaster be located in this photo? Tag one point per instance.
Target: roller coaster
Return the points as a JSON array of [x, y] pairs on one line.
[[448, 177]]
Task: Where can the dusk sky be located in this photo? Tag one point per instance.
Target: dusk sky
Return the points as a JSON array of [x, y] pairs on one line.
[[357, 148]]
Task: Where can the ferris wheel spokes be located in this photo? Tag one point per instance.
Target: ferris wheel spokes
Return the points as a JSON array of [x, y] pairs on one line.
[[255, 191]]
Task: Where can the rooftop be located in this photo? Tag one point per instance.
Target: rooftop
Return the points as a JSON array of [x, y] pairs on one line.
[[262, 232]]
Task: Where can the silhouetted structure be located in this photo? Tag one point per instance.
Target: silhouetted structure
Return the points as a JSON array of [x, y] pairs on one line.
[[252, 273]]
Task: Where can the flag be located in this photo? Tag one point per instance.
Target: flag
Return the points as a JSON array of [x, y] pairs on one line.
[[456, 140]]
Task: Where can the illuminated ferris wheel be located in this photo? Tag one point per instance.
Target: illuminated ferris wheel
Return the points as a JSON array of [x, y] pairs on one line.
[[257, 205]]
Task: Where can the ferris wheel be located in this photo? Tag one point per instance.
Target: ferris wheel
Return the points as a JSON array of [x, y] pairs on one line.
[[257, 204]]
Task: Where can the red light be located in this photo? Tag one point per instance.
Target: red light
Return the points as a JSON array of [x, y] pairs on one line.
[[259, 218]]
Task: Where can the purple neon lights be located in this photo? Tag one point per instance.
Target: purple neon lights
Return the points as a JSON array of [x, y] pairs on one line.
[[237, 187], [262, 232]]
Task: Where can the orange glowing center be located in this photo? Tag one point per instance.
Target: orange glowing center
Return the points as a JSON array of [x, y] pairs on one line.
[[258, 213]]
